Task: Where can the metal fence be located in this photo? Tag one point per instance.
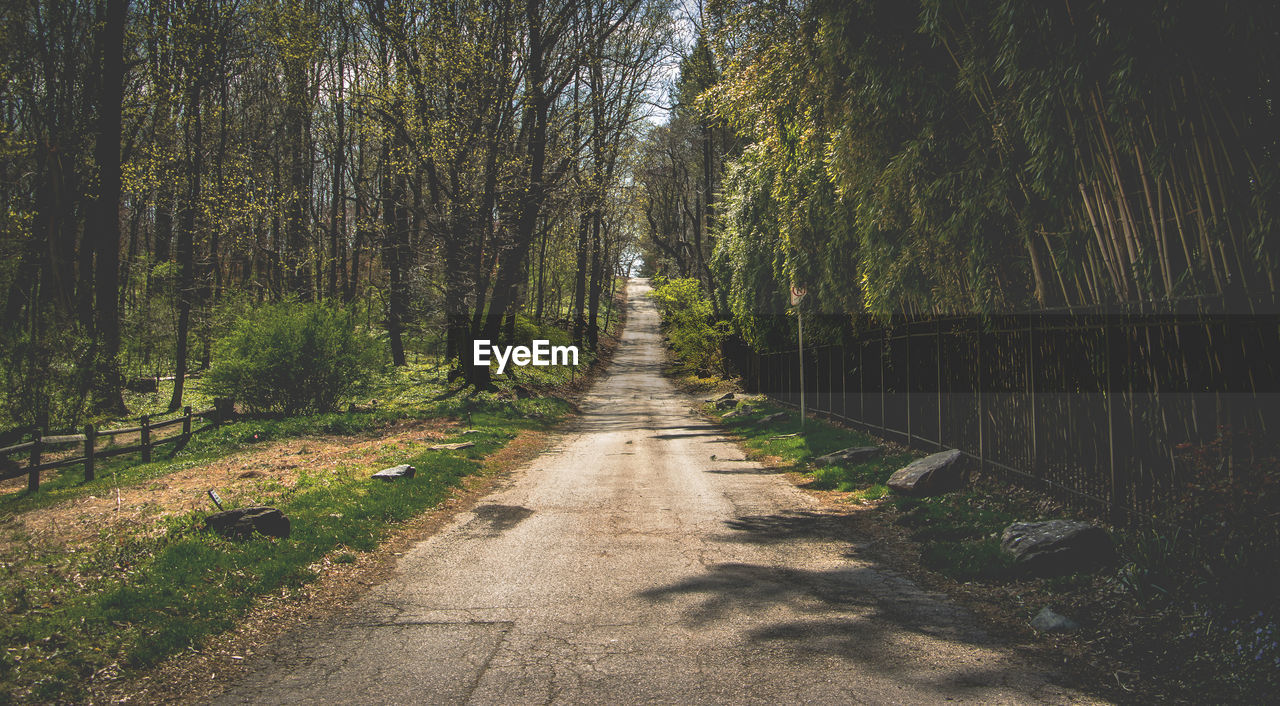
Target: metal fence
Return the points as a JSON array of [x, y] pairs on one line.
[[1095, 407]]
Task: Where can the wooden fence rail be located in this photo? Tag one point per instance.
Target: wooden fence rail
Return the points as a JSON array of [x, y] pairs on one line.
[[219, 414]]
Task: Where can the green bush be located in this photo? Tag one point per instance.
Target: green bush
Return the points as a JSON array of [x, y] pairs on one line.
[[688, 322], [294, 358]]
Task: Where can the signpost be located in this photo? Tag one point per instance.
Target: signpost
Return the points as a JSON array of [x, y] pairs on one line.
[[797, 294]]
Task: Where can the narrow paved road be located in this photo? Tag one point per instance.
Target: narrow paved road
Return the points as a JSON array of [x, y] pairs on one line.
[[643, 560]]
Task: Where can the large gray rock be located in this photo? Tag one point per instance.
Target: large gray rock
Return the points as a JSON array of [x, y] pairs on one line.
[[931, 475], [1049, 621], [726, 403], [775, 417], [241, 523], [1056, 547], [404, 470], [725, 396], [739, 412], [850, 456]]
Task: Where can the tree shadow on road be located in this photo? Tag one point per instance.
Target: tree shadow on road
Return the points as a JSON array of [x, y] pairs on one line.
[[857, 613]]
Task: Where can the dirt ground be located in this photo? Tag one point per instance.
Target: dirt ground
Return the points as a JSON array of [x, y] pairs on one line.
[[79, 520]]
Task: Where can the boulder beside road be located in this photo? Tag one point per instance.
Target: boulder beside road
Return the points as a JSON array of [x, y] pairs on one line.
[[404, 470], [242, 522], [931, 475], [1056, 547]]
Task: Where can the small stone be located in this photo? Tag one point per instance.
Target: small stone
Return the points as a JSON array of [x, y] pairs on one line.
[[850, 456], [452, 447], [931, 475], [1049, 621], [404, 470], [739, 412], [241, 523]]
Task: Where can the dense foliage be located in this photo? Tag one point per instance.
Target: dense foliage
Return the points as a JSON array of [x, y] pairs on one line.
[[988, 155], [293, 357], [445, 167], [688, 323]]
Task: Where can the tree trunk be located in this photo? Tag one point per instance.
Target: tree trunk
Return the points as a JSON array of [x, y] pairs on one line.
[[393, 255], [185, 247], [107, 381]]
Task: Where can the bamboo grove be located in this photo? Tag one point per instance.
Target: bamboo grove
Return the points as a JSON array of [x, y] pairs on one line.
[[445, 167], [969, 156]]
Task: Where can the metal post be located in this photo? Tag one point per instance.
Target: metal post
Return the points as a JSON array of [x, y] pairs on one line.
[[844, 380], [1032, 399], [938, 356], [982, 412], [862, 381], [907, 345], [1117, 506], [800, 336], [884, 341]]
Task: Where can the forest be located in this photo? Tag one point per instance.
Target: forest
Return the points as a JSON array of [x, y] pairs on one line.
[[453, 171], [967, 157], [1037, 238], [444, 171]]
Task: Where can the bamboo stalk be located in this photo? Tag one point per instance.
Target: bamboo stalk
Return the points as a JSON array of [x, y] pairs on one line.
[[1122, 202], [1102, 246], [1057, 271], [1091, 276], [1117, 241], [1157, 227]]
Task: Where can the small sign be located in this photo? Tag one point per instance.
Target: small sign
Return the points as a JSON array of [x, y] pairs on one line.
[[797, 293], [213, 495]]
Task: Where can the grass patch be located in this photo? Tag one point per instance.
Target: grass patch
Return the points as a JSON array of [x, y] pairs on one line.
[[74, 615], [959, 531], [139, 594]]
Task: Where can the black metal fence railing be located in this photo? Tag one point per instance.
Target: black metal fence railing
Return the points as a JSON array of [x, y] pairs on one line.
[[1093, 407]]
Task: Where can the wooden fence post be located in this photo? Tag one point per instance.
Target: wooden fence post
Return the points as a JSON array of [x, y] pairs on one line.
[[146, 438], [33, 476], [90, 441], [186, 424]]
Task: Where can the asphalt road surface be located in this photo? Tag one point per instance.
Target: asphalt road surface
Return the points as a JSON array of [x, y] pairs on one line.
[[626, 564]]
